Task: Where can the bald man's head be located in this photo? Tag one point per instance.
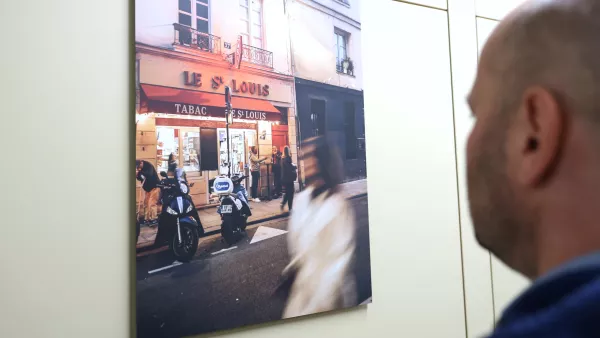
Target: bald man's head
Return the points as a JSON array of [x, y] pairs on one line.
[[536, 100], [554, 44]]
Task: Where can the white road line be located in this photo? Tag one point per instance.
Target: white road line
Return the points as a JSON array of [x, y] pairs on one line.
[[221, 251], [176, 263], [263, 233]]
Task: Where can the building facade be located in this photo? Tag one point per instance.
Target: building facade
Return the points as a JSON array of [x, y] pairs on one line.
[[325, 40], [187, 51]]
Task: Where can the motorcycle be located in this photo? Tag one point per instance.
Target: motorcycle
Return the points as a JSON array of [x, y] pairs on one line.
[[234, 208], [178, 223]]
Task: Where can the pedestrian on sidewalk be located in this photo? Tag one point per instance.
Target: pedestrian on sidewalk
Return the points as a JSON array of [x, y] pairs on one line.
[[171, 163], [289, 175], [146, 173], [321, 238], [255, 162], [276, 158]]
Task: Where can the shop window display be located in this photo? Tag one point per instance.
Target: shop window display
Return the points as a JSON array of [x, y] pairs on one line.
[[167, 144], [241, 140], [185, 148], [191, 147]]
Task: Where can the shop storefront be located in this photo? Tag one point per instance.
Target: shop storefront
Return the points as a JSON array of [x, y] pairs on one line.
[[181, 112], [338, 114]]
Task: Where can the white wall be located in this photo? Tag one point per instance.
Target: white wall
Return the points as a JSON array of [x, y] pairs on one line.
[[495, 9], [479, 304], [408, 110], [67, 272], [441, 4]]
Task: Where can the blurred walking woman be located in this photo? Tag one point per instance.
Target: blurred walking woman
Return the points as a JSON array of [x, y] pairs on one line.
[[321, 237]]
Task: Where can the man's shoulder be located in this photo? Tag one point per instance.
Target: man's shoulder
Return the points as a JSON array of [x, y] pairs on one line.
[[565, 304]]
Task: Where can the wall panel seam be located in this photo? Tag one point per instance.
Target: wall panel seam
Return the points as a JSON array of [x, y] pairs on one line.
[[462, 260], [423, 5]]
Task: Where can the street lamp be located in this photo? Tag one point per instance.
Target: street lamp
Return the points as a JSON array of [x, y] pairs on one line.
[[228, 120]]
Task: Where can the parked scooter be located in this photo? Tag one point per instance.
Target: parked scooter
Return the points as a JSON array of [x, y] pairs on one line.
[[178, 223], [234, 208]]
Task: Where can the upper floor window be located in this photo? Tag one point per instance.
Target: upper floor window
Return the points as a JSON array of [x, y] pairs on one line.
[[251, 22], [341, 48], [194, 13]]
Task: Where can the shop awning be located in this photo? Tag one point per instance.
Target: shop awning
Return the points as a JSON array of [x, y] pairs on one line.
[[177, 101]]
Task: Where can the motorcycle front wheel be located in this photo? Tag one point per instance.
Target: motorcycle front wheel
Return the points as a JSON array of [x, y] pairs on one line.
[[185, 251]]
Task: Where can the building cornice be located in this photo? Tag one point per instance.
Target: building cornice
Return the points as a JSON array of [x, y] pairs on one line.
[[213, 60], [331, 12]]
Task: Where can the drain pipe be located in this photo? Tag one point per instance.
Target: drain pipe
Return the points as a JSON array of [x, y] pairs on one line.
[[296, 119]]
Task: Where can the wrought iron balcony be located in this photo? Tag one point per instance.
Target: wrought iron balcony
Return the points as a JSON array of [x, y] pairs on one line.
[[257, 56], [187, 36]]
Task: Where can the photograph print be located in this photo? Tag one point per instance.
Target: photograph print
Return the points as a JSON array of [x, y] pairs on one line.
[[251, 180]]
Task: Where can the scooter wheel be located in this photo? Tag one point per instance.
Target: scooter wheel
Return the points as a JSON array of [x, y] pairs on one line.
[[185, 251], [228, 231]]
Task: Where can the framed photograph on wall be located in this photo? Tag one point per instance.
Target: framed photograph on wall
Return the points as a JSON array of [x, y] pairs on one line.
[[251, 181]]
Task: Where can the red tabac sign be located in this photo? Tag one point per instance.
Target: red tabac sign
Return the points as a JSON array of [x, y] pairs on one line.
[[168, 100]]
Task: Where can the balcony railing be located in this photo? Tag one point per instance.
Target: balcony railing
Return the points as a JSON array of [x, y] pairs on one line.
[[187, 36], [257, 56]]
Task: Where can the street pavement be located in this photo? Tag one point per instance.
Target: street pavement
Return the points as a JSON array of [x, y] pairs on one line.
[[227, 287]]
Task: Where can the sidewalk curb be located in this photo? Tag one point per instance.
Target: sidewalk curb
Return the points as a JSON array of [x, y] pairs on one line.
[[275, 217]]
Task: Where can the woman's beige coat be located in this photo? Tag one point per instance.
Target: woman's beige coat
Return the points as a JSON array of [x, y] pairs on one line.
[[321, 244]]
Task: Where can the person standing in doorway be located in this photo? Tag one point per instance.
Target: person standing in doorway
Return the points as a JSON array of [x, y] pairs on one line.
[[289, 174], [276, 165], [171, 163], [146, 173], [255, 162]]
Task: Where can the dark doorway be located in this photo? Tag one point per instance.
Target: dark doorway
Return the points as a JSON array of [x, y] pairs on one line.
[[317, 109]]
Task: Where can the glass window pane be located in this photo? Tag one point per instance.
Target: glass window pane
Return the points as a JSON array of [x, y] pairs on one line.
[[202, 10], [245, 39], [202, 25], [185, 19], [244, 27], [185, 5], [257, 43], [256, 17], [191, 149], [243, 13], [244, 2], [167, 143], [256, 31], [256, 4]]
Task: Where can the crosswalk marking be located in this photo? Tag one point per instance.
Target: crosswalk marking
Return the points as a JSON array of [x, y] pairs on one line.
[[263, 233], [221, 251], [176, 263]]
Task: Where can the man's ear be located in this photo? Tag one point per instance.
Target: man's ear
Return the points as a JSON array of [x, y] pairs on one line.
[[540, 133]]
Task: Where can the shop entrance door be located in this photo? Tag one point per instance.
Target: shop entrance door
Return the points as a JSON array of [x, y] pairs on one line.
[[241, 140], [280, 139]]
